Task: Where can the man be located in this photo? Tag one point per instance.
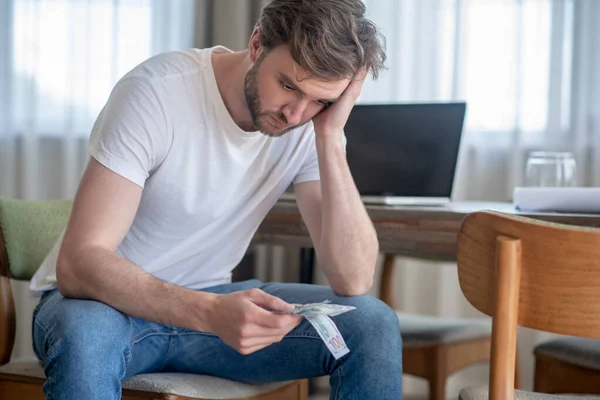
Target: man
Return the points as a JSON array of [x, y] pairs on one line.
[[189, 154]]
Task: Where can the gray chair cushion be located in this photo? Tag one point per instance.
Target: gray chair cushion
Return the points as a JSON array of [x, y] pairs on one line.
[[482, 393], [423, 330], [189, 385], [202, 386], [25, 367], [582, 352]]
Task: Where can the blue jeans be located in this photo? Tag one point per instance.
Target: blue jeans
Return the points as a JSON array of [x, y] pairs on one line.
[[88, 348]]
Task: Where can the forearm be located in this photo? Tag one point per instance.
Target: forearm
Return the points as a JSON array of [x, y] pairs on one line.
[[100, 274], [348, 246]]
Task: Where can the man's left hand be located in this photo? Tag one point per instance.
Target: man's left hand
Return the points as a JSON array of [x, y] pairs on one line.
[[331, 121]]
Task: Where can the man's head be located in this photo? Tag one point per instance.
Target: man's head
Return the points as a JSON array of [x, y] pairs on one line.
[[305, 53]]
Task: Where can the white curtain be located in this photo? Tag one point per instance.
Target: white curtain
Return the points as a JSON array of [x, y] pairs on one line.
[[528, 69], [529, 72], [59, 59]]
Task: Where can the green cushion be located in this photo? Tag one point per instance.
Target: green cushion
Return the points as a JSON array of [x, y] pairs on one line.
[[30, 229]]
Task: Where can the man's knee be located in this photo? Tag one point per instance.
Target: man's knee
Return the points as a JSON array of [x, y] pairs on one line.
[[373, 321], [80, 327]]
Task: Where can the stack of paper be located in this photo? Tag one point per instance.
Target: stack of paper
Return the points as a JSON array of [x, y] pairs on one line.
[[558, 199]]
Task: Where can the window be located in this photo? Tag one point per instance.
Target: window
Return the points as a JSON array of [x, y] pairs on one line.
[[501, 56], [66, 55]]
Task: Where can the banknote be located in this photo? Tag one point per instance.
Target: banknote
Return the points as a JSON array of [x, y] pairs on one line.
[[330, 334], [323, 308], [318, 314]]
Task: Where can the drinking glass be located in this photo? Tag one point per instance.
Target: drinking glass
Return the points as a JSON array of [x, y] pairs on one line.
[[550, 169]]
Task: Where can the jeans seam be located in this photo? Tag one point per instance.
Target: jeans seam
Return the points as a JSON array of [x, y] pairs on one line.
[[36, 323], [47, 339], [139, 338], [169, 350], [145, 336], [340, 372], [41, 327], [197, 333], [129, 354]]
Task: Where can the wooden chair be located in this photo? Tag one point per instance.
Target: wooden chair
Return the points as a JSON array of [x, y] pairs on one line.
[[434, 348], [567, 365], [27, 232], [526, 272]]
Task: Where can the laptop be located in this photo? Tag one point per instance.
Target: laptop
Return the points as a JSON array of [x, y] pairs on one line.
[[404, 154]]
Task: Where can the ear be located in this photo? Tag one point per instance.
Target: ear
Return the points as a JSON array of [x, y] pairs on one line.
[[254, 46]]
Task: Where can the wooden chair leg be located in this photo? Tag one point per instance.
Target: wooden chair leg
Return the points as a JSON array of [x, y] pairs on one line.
[[542, 377], [437, 387], [517, 372], [303, 390], [438, 376], [385, 287]]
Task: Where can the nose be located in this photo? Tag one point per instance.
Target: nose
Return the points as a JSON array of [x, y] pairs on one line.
[[293, 111]]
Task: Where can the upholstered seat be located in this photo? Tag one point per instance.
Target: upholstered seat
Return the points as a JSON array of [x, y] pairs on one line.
[[188, 385], [568, 365], [482, 393], [582, 352], [423, 330]]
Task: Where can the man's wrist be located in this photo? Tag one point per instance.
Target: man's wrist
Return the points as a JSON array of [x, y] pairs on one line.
[[329, 142], [202, 305]]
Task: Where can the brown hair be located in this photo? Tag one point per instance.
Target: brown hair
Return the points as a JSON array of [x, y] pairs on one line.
[[331, 39]]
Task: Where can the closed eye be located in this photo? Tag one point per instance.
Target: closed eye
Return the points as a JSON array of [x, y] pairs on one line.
[[286, 87], [290, 88]]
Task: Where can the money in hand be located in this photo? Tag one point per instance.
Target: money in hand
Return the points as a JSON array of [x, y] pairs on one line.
[[318, 314], [324, 308], [330, 334]]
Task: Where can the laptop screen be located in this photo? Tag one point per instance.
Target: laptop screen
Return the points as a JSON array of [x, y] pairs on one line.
[[404, 149]]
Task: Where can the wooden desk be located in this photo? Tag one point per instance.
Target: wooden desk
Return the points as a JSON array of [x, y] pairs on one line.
[[406, 230]]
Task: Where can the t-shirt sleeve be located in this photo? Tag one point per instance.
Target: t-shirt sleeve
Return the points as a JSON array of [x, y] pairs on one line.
[[310, 169], [131, 136]]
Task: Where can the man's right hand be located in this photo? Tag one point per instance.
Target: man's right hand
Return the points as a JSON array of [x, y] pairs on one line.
[[249, 321]]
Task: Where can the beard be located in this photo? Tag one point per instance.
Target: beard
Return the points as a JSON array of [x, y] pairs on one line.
[[259, 117]]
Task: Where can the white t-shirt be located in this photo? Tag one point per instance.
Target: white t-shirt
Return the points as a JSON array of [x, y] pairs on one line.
[[207, 184]]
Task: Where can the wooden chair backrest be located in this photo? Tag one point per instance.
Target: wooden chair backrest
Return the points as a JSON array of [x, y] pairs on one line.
[[7, 307], [531, 273]]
